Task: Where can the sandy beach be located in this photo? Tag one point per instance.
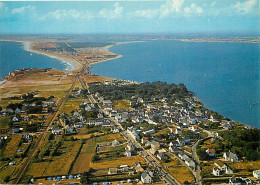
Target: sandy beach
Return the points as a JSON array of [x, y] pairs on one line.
[[71, 65]]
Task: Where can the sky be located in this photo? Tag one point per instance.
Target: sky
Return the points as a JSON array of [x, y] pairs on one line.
[[167, 16]]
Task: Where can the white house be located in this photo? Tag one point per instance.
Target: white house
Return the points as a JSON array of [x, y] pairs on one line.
[[190, 162], [256, 174], [146, 178], [230, 156], [216, 171], [183, 156]]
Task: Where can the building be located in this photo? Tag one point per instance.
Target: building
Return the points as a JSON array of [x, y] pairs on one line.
[[211, 152], [146, 178], [216, 172], [230, 156], [256, 174], [190, 162], [112, 171]]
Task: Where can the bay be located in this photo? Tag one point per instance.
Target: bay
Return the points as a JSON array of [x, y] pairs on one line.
[[224, 76]]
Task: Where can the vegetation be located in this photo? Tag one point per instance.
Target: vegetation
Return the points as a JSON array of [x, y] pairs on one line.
[[144, 90], [245, 142]]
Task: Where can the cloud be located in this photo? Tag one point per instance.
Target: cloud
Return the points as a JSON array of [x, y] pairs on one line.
[[112, 14], [193, 9], [60, 14], [171, 6], [213, 4], [149, 13], [23, 9], [245, 7]]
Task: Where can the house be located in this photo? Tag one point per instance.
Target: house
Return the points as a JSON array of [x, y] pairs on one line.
[[149, 172], [230, 156], [186, 139], [138, 168], [17, 111], [190, 162], [239, 181], [123, 168], [127, 153], [154, 146], [256, 174], [216, 171], [146, 178], [161, 156], [112, 171], [130, 147], [178, 131], [100, 115], [220, 165], [56, 131], [115, 143], [27, 137], [144, 140], [180, 142], [211, 152], [15, 119], [182, 155]]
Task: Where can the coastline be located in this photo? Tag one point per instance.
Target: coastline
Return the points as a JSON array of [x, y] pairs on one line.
[[72, 65]]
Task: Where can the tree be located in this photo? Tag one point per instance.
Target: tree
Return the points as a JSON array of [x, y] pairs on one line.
[[7, 178]]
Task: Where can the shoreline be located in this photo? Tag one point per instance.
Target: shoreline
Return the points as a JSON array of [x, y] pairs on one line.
[[117, 55], [72, 65]]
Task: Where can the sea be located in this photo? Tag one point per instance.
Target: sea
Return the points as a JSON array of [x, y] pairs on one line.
[[14, 55], [224, 76]]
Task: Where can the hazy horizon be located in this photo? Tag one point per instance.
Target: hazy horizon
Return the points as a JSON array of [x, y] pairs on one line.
[[129, 17]]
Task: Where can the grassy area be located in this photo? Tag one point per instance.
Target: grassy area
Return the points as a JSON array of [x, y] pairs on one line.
[[72, 104], [12, 146], [61, 164], [130, 161], [179, 172], [82, 163], [109, 137], [37, 169], [4, 122], [121, 105]]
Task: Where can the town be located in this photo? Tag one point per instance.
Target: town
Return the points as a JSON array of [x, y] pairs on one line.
[[123, 132]]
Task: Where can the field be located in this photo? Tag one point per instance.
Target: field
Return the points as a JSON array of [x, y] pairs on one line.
[[60, 164], [110, 137], [72, 104], [12, 146], [130, 161], [4, 122], [95, 78], [50, 83], [82, 163], [179, 172], [37, 169], [122, 105]]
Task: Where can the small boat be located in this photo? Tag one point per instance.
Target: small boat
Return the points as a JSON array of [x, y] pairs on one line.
[[31, 54]]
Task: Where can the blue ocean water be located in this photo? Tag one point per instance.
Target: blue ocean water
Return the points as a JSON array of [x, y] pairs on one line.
[[224, 76], [13, 56]]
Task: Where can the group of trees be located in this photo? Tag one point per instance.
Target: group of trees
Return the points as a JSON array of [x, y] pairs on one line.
[[144, 90], [245, 142]]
